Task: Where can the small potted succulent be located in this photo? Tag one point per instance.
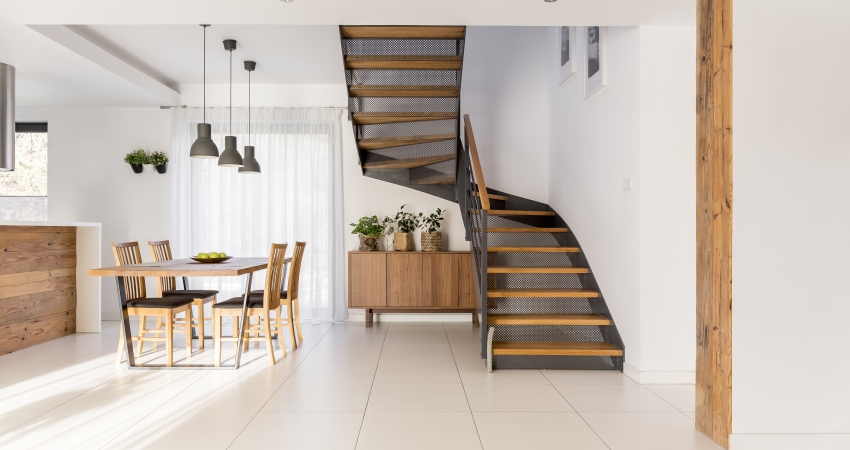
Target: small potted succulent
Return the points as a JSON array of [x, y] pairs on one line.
[[432, 239], [405, 224], [370, 230], [158, 160], [136, 158]]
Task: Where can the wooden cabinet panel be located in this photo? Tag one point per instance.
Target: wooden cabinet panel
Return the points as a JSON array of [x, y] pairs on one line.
[[367, 280], [466, 295], [404, 280], [441, 275]]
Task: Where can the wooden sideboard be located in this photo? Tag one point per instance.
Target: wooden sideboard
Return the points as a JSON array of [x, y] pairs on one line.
[[430, 282]]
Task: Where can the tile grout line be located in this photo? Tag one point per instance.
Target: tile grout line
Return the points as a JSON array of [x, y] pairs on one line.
[[278, 388], [371, 386], [665, 401], [576, 411], [463, 387]]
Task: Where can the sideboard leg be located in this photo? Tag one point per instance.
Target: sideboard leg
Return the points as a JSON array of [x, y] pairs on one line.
[[475, 317], [368, 318]]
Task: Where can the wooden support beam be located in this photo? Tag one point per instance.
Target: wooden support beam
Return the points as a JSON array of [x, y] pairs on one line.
[[714, 220]]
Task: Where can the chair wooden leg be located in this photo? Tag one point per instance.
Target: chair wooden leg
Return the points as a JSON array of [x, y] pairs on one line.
[[142, 322], [169, 340], [201, 330], [279, 325], [297, 319], [157, 327], [216, 324], [235, 333], [188, 331], [291, 326], [268, 333], [246, 333]]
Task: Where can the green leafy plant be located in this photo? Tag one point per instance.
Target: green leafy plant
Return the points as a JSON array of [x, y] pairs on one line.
[[157, 159], [388, 224], [431, 223], [137, 157], [368, 226], [405, 221]]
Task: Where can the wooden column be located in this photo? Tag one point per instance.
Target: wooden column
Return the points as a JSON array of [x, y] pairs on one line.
[[714, 220]]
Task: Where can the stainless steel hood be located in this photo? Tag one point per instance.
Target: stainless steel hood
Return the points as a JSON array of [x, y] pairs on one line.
[[7, 118]]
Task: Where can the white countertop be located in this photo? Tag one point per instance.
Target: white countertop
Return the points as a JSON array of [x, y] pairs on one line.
[[48, 224]]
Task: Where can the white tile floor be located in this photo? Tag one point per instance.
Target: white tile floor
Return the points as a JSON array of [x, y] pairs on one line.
[[397, 386]]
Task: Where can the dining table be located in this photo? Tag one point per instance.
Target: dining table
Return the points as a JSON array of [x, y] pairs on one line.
[[183, 268]]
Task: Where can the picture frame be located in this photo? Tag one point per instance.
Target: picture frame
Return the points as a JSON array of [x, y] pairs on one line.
[[566, 53], [596, 59]]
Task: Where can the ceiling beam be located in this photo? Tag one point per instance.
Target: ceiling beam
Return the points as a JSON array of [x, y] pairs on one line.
[[98, 53]]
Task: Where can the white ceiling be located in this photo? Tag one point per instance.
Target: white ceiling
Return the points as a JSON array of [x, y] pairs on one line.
[[293, 43]]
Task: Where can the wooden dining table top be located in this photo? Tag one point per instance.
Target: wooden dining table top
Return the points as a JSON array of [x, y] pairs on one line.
[[186, 268]]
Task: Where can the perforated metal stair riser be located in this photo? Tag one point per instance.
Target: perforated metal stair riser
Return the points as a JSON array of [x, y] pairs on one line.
[[541, 307], [404, 97]]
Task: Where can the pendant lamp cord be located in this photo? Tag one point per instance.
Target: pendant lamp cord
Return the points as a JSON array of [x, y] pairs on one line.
[[205, 73], [249, 108], [230, 109]]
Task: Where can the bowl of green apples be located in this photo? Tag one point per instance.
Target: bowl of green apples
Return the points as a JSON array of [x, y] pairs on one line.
[[211, 257]]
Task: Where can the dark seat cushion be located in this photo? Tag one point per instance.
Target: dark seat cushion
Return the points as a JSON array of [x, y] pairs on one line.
[[156, 302], [254, 301], [260, 293], [195, 293]]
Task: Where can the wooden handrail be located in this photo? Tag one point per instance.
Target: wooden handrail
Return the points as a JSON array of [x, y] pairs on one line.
[[476, 164]]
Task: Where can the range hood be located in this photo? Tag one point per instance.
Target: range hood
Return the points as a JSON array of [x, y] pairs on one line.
[[7, 118]]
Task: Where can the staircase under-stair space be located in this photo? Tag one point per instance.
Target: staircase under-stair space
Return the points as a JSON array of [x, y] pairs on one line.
[[534, 288], [404, 102]]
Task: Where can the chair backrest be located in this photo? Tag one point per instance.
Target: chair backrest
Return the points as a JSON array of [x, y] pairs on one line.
[[127, 253], [161, 251], [274, 276], [295, 270]]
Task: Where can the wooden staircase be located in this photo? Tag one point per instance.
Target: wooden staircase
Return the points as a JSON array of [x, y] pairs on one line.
[[539, 299], [404, 99]]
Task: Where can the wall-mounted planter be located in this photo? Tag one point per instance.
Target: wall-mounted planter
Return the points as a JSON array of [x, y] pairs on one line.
[[137, 168], [160, 168]]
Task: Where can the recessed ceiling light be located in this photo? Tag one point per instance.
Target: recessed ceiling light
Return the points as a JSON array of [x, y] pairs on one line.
[[550, 1], [290, 1]]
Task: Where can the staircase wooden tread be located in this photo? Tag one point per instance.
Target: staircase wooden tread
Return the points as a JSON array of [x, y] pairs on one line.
[[504, 269], [557, 348], [445, 179], [363, 90], [377, 117], [535, 249], [409, 32], [492, 196], [547, 319], [408, 163], [403, 62], [541, 293], [525, 230], [399, 141], [512, 212]]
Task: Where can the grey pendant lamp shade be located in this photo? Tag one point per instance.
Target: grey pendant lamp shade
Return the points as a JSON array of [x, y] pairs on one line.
[[230, 157], [204, 146], [250, 161]]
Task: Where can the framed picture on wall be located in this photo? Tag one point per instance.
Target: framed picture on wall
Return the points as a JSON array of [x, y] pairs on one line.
[[567, 53], [596, 60]]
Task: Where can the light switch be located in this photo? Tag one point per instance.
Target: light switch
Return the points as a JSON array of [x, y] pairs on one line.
[[627, 184]]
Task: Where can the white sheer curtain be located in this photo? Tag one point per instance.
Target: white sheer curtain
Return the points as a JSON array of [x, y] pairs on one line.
[[297, 197]]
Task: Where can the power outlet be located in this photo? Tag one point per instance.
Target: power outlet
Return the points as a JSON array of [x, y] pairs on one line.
[[627, 184]]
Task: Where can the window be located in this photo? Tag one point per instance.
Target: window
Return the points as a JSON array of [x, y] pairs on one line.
[[23, 192]]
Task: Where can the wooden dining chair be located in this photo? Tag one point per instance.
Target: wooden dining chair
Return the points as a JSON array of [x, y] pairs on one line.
[[139, 304], [289, 297], [161, 251], [259, 306]]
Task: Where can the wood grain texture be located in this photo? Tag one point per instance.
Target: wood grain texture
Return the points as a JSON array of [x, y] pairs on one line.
[[390, 32], [512, 212], [33, 306], [367, 279], [714, 220], [18, 262], [408, 163], [403, 91], [401, 141], [443, 279], [404, 280], [535, 249], [37, 331], [556, 348], [186, 268], [447, 179], [547, 319], [541, 293], [372, 118], [466, 293], [475, 161], [503, 269], [28, 241]]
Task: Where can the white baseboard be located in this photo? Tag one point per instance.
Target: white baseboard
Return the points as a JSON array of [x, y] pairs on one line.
[[110, 315], [646, 377], [741, 441], [358, 315]]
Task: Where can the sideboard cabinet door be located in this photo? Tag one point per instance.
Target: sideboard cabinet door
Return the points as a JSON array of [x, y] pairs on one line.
[[441, 274], [466, 289], [367, 280], [404, 280]]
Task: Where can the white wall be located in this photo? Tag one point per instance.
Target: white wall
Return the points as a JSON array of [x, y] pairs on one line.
[[505, 94], [790, 240], [640, 243], [88, 180]]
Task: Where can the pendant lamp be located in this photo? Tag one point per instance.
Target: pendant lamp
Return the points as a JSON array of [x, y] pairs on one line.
[[204, 147], [250, 161], [230, 157]]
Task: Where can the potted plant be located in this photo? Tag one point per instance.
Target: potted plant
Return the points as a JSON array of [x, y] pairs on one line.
[[158, 161], [136, 158], [370, 230], [432, 239], [405, 224], [389, 228]]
